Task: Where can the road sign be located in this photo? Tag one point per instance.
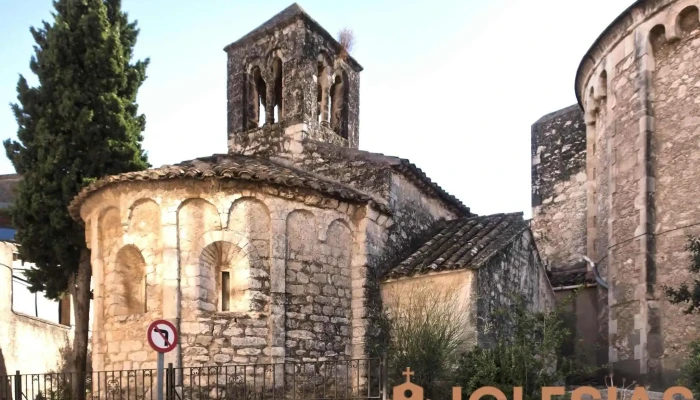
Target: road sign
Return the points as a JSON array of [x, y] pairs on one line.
[[162, 336]]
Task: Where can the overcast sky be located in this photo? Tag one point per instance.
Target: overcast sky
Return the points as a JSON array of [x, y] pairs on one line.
[[454, 86]]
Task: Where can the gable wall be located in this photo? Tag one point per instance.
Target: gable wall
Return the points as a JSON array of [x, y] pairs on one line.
[[414, 216], [454, 288], [516, 269]]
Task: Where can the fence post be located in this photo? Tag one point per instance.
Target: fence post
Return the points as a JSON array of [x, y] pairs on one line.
[[18, 386], [170, 382]]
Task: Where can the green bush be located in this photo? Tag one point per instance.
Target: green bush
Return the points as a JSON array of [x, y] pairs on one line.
[[425, 331], [527, 353], [690, 372]]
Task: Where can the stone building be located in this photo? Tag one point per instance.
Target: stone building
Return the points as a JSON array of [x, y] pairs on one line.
[[278, 249], [615, 178]]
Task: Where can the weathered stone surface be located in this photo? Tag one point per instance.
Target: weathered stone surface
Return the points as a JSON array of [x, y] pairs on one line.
[[559, 187], [311, 69], [637, 87]]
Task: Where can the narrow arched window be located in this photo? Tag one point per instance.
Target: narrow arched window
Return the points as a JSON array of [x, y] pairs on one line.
[[323, 88], [129, 282], [256, 99], [603, 84], [277, 74], [339, 106], [228, 275]]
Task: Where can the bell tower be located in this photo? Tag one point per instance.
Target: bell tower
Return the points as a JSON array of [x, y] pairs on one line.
[[290, 82]]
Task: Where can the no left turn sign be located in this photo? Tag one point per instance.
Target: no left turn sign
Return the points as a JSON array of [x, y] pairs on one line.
[[162, 336]]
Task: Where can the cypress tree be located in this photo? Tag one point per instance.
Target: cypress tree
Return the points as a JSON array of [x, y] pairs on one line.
[[80, 123]]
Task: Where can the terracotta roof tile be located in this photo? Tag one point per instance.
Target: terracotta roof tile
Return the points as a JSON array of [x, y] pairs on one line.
[[462, 243], [222, 166]]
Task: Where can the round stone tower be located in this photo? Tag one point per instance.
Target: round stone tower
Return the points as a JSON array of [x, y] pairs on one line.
[[639, 85]]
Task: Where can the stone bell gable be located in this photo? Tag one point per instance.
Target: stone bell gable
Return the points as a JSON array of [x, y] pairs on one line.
[[287, 80]]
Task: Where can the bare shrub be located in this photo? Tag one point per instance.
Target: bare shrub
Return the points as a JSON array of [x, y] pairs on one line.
[[346, 38], [425, 334]]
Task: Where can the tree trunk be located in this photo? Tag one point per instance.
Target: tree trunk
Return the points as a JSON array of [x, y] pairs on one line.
[[80, 291]]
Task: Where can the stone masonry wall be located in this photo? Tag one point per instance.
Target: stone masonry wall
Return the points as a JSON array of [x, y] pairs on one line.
[[559, 186], [675, 156], [415, 210], [600, 188], [297, 264], [637, 90], [131, 279], [414, 216], [350, 167], [318, 278], [517, 269]]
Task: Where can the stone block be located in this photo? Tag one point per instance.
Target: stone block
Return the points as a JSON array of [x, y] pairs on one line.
[[247, 341], [300, 335], [233, 331], [248, 352], [222, 358]]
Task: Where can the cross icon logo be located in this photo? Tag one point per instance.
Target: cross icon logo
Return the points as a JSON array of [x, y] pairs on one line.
[[408, 374], [408, 390]]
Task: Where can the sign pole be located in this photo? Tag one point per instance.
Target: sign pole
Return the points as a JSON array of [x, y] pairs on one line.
[[161, 362], [162, 336]]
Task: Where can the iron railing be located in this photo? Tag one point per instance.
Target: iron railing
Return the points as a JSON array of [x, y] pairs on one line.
[[314, 380]]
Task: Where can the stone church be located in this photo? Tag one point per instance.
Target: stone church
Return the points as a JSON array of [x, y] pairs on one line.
[[280, 249], [615, 177]]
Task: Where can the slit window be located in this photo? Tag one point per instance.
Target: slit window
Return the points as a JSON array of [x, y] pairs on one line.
[[225, 290]]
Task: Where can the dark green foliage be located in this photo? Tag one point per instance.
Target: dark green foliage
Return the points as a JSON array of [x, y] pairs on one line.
[[690, 372], [80, 123], [685, 294], [527, 356], [425, 332], [59, 390]]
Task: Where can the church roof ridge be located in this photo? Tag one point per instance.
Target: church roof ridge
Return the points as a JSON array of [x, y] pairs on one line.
[[285, 17], [237, 167], [406, 167]]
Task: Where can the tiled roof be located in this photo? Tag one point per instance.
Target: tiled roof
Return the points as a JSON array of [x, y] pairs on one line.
[[462, 243], [401, 165], [223, 166], [576, 274]]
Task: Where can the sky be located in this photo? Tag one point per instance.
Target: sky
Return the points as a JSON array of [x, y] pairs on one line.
[[454, 86]]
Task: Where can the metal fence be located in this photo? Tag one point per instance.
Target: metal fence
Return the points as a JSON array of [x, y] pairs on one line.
[[317, 380]]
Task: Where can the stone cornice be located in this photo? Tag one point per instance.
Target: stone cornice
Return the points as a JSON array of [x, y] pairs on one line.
[[621, 27]]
